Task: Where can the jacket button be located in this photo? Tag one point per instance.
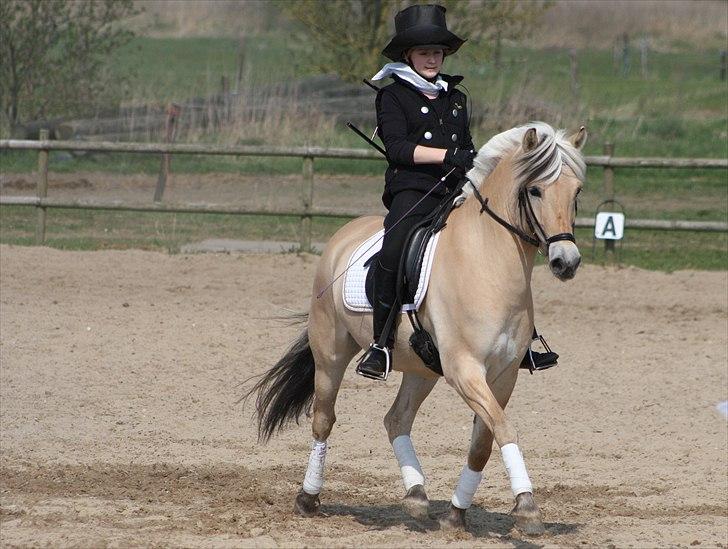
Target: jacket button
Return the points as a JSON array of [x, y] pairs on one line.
[[428, 135], [455, 113], [454, 137], [424, 110]]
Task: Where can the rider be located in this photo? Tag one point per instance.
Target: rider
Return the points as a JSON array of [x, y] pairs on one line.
[[423, 122]]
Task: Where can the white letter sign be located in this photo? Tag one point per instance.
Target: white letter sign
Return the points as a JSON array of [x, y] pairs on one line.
[[609, 226]]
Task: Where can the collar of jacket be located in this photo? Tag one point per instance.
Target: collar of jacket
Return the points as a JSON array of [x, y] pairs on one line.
[[452, 81]]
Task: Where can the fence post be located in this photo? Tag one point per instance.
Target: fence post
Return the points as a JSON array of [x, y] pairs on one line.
[[41, 188], [608, 191], [173, 112], [307, 202]]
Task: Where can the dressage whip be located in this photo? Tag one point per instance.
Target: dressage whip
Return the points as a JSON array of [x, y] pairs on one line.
[[442, 180]]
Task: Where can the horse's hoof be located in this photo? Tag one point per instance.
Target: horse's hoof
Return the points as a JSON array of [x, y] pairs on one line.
[[307, 505], [455, 519], [530, 526], [416, 504], [527, 516]]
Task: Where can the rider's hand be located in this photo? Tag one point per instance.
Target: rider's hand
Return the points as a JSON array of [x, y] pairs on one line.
[[461, 159]]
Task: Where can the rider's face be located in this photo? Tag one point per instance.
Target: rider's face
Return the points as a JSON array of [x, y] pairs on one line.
[[426, 61]]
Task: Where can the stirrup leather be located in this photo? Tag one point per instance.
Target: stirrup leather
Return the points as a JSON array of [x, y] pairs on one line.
[[372, 375]]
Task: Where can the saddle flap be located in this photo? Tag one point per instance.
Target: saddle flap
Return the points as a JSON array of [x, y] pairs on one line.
[[414, 267], [414, 254]]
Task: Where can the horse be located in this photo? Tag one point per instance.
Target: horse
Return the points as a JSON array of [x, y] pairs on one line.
[[480, 316]]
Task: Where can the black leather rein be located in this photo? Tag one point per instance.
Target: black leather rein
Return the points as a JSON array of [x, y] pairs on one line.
[[524, 204]]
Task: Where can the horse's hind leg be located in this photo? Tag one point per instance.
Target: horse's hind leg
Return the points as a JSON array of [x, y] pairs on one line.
[[398, 422], [332, 348]]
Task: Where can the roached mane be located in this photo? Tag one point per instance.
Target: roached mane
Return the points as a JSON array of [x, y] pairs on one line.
[[543, 163]]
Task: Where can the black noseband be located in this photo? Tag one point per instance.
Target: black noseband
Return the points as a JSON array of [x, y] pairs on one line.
[[561, 236]]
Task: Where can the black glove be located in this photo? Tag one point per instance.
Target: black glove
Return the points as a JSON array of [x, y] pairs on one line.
[[460, 159]]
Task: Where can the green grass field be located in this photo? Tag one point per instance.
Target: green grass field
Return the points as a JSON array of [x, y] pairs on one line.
[[677, 109]]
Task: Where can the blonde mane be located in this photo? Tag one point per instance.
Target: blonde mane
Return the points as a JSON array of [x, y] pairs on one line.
[[543, 163]]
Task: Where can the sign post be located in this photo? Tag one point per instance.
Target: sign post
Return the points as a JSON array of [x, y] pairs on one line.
[[609, 226]]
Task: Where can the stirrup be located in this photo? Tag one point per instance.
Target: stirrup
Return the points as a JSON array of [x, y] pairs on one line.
[[535, 361], [372, 374]]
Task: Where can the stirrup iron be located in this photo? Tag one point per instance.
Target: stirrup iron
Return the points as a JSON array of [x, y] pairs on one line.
[[373, 348], [544, 361]]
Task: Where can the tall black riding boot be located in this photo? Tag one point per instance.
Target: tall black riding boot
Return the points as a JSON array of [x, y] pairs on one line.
[[377, 361]]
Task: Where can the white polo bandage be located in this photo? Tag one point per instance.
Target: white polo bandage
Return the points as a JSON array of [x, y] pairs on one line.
[[314, 479], [467, 485], [409, 465], [513, 460]]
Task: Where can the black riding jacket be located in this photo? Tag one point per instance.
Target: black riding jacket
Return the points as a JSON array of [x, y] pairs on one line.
[[405, 119]]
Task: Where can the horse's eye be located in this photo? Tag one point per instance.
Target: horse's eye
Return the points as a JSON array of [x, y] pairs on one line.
[[535, 191]]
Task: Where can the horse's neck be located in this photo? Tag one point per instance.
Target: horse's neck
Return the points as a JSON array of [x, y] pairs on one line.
[[488, 247]]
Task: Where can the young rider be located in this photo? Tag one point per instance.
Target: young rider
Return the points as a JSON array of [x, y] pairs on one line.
[[423, 122]]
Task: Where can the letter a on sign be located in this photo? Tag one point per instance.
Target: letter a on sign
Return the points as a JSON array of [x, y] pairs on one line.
[[609, 226]]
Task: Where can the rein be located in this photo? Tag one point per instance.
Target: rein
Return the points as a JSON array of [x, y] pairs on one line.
[[525, 206]]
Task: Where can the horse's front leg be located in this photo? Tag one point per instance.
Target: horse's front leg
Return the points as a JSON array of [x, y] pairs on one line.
[[468, 378], [398, 422]]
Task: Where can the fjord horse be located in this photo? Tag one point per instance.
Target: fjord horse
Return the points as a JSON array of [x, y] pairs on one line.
[[521, 197]]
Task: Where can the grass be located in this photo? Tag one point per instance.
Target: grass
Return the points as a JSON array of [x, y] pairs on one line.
[[167, 69], [677, 109]]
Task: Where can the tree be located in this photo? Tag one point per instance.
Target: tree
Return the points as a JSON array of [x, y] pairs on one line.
[[348, 35], [54, 55], [489, 22]]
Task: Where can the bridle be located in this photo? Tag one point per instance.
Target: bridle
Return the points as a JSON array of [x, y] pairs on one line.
[[539, 239]]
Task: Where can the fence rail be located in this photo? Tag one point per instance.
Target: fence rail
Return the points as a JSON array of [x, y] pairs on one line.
[[605, 160], [307, 211]]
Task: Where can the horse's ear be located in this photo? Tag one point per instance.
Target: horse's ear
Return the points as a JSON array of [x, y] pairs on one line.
[[530, 140], [579, 138]]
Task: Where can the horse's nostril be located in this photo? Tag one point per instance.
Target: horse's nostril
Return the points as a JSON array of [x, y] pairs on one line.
[[557, 264]]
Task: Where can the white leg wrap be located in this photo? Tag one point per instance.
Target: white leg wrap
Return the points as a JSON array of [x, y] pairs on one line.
[[513, 460], [467, 485], [408, 462], [314, 479]]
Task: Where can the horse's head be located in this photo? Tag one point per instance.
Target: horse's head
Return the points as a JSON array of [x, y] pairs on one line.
[[539, 183], [551, 173]]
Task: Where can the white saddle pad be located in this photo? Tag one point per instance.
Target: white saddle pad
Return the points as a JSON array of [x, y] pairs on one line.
[[355, 296]]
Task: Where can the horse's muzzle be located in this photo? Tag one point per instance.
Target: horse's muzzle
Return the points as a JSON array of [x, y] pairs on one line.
[[564, 259]]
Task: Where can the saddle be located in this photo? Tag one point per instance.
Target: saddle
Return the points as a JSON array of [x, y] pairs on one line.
[[408, 276]]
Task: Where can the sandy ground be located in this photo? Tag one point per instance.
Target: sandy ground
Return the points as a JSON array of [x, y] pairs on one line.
[[119, 375]]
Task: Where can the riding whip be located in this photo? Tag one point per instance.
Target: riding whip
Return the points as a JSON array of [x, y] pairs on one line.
[[365, 138]]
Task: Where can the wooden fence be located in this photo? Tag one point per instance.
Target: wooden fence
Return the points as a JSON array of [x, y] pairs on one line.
[[307, 210]]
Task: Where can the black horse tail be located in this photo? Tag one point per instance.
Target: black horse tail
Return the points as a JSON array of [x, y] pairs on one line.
[[286, 390]]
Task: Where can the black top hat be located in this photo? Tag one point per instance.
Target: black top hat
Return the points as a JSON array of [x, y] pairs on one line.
[[421, 25]]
